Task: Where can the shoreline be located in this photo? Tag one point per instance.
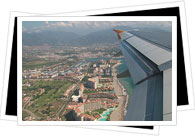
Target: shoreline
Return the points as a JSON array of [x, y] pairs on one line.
[[125, 94], [122, 95]]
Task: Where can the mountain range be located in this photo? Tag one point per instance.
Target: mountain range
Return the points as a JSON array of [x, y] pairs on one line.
[[60, 38], [64, 38]]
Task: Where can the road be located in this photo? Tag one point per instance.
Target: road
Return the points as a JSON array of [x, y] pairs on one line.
[[70, 95]]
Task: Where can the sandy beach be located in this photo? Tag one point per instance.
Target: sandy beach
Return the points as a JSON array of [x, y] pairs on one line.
[[118, 114]]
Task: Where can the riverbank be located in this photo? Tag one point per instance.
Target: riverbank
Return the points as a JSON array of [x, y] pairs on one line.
[[119, 113]]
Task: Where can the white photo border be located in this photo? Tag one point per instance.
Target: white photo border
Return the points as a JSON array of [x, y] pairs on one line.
[[101, 11], [129, 8], [129, 129], [99, 18], [180, 4]]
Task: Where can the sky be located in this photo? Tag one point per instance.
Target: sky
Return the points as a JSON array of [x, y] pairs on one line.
[[90, 26]]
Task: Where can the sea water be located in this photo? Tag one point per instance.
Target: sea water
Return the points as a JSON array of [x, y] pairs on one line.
[[97, 59], [126, 81]]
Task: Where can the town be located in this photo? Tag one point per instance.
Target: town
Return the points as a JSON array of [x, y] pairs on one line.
[[73, 88]]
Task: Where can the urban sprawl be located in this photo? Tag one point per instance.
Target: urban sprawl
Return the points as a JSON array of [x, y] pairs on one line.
[[72, 84]]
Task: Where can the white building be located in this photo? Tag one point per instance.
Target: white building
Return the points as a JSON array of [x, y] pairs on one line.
[[93, 82]]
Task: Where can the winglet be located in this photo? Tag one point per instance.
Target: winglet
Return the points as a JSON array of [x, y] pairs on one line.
[[119, 33]]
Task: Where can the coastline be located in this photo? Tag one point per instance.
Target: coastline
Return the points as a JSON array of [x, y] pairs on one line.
[[125, 94], [120, 112]]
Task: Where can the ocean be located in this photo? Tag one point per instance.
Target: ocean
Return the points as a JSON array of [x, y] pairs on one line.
[[127, 84], [126, 81], [96, 59]]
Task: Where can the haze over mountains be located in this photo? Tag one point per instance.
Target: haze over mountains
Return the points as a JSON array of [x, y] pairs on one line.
[[53, 38], [85, 33], [60, 38]]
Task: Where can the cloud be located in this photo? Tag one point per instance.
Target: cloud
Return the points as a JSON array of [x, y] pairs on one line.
[[104, 24], [74, 26]]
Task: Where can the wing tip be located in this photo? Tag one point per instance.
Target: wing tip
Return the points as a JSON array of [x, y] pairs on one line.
[[119, 33]]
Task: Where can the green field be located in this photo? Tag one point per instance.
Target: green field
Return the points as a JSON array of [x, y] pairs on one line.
[[37, 64], [49, 102], [24, 115], [28, 63]]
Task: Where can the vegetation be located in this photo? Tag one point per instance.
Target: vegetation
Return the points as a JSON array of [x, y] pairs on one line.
[[100, 111], [48, 103], [89, 91], [24, 115], [96, 112], [38, 64], [104, 76], [85, 79], [47, 85]]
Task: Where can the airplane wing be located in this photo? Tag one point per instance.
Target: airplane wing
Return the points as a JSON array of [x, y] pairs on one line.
[[150, 67]]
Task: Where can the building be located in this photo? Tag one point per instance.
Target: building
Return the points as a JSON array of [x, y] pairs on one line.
[[110, 72], [81, 90], [102, 95], [93, 82], [26, 99], [97, 69], [91, 105], [94, 65], [68, 91], [75, 98], [102, 66], [84, 97], [104, 72]]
